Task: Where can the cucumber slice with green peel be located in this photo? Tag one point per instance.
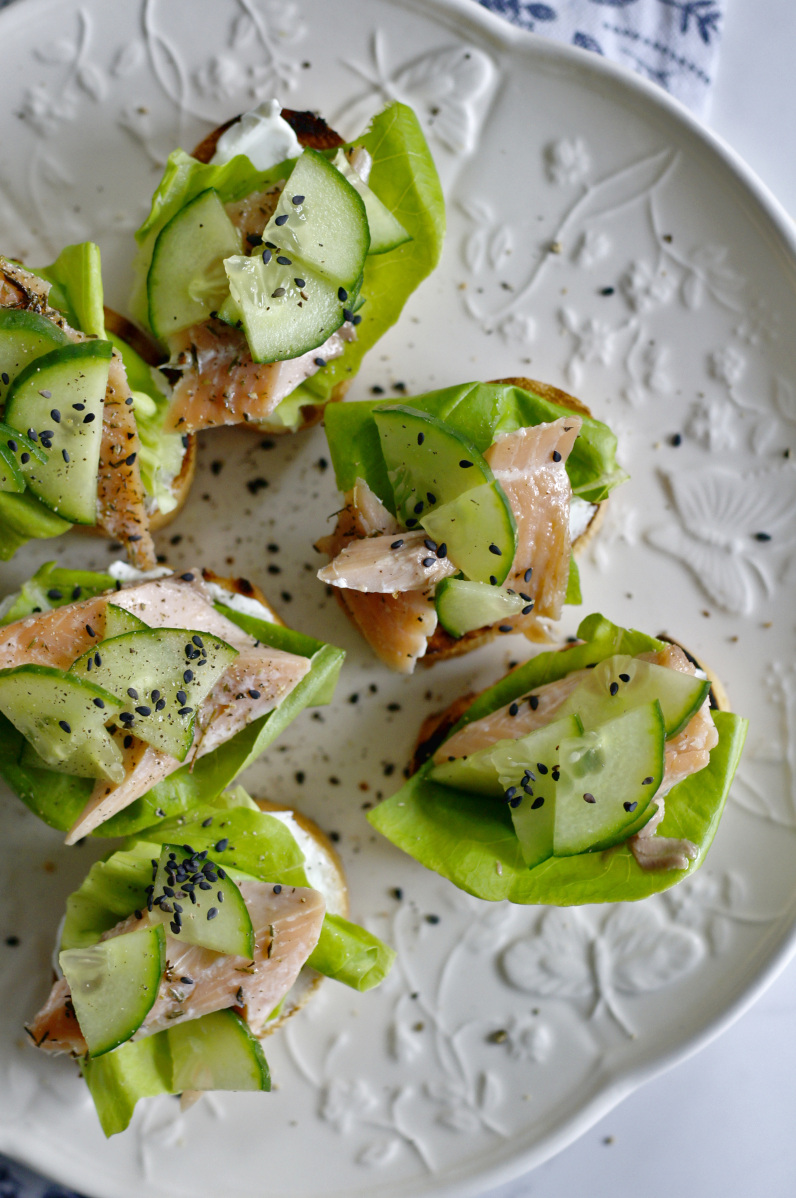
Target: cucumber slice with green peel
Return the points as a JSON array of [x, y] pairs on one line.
[[286, 311], [114, 985], [118, 621], [217, 1052], [16, 451], [622, 682], [60, 396], [209, 910], [321, 222], [475, 773], [63, 718], [161, 676], [479, 531], [608, 777], [186, 279], [23, 337], [463, 606], [386, 231], [528, 773]]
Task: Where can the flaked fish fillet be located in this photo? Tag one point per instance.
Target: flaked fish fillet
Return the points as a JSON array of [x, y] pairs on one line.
[[287, 924], [397, 626], [383, 564], [220, 384], [530, 465]]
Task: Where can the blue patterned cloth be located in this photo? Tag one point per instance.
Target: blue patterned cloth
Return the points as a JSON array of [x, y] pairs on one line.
[[673, 42]]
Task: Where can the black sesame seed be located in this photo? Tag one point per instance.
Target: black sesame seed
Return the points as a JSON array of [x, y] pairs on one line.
[[556, 456], [537, 803], [87, 419], [297, 200], [442, 550], [542, 768], [514, 709], [55, 594], [197, 640], [143, 710], [418, 507], [185, 711], [12, 445], [132, 692], [534, 701], [187, 577], [54, 414], [411, 522], [128, 741], [281, 220], [266, 256], [646, 782], [516, 801], [429, 544], [429, 561], [277, 293], [589, 798], [283, 260], [614, 688], [526, 611], [300, 282], [625, 677], [182, 698], [397, 544], [277, 889], [319, 361], [342, 294], [187, 676], [421, 438], [65, 455], [24, 458], [527, 575], [222, 845], [762, 536], [348, 314], [492, 580], [505, 628], [464, 463], [511, 792], [98, 703], [254, 694], [493, 548], [5, 378], [186, 981], [62, 724], [677, 440]]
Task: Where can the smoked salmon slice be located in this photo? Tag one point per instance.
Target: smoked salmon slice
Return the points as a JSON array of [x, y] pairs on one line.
[[287, 922]]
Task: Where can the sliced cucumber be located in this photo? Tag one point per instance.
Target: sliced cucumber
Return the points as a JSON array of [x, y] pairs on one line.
[[462, 606], [118, 621], [114, 985], [60, 397], [320, 220], [63, 718], [285, 311], [476, 773], [217, 1052], [23, 337], [16, 451], [622, 682], [440, 480], [11, 477], [186, 279], [200, 904], [528, 772], [607, 779], [386, 231], [479, 531], [162, 676]]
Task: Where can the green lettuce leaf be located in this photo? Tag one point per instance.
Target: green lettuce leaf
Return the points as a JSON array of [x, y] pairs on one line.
[[479, 411], [23, 518], [116, 1080], [471, 840], [58, 799], [76, 290]]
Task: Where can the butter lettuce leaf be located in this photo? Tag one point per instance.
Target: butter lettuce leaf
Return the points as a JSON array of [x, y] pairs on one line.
[[470, 839], [76, 287], [479, 411]]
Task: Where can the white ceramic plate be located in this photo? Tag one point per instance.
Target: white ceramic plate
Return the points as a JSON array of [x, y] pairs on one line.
[[601, 240]]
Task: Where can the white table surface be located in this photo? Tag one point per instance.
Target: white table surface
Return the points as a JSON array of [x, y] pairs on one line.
[[724, 1121]]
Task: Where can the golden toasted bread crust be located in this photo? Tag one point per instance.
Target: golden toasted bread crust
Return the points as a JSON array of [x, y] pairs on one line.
[[442, 645], [435, 727]]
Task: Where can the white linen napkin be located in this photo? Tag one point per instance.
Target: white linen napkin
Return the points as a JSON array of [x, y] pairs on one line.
[[675, 43]]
